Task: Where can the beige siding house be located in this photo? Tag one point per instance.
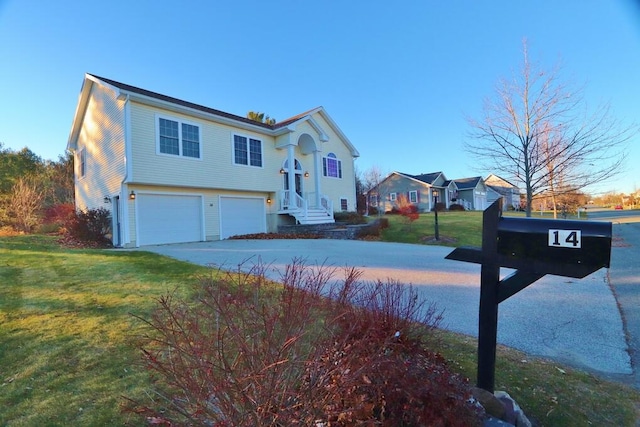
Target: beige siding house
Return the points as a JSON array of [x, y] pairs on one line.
[[172, 171]]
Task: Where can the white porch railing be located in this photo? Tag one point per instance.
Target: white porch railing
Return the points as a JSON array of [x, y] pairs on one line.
[[298, 202], [294, 204]]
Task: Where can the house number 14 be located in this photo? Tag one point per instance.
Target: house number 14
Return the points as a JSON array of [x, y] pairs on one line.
[[565, 238]]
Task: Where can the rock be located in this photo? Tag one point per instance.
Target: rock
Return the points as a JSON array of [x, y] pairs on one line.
[[513, 412], [492, 405], [495, 422]]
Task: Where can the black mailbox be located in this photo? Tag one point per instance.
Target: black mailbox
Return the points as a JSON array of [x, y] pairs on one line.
[[561, 247], [534, 247]]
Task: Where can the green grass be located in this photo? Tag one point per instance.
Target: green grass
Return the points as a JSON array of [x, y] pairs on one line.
[[68, 350], [455, 229], [67, 339]]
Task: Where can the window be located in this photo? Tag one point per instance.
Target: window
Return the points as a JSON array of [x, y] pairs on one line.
[[331, 166], [413, 196], [344, 205], [82, 160], [177, 138], [247, 151], [393, 197]]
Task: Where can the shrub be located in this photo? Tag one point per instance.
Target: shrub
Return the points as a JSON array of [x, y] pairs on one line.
[[373, 210], [91, 225], [440, 207], [25, 204], [314, 351], [58, 214], [456, 207], [349, 217]]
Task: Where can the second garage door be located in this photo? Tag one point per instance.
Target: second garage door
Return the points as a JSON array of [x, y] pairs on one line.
[[241, 215], [164, 218]]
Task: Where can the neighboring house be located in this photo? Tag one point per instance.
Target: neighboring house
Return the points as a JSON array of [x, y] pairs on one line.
[[172, 171], [472, 193], [419, 190], [500, 187]]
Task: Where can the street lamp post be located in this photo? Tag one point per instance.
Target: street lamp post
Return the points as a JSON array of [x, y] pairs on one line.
[[435, 209]]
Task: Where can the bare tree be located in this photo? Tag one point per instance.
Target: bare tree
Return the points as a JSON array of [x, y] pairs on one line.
[[371, 180], [537, 132], [25, 204]]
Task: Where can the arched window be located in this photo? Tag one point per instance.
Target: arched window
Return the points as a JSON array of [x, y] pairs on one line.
[[331, 166]]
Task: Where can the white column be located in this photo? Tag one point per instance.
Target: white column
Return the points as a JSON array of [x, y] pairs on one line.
[[317, 173], [291, 163]]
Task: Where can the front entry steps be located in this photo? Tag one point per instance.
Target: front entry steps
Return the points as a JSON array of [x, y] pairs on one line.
[[313, 216]]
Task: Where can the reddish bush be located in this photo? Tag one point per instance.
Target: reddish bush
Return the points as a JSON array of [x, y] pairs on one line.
[[59, 214], [313, 351], [91, 225]]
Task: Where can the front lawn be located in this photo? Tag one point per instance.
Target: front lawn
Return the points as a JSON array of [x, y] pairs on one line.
[[455, 229], [68, 344], [67, 339]]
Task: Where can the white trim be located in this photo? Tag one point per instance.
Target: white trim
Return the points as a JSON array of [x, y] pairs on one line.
[[393, 196], [248, 137], [82, 163], [180, 122], [414, 192]]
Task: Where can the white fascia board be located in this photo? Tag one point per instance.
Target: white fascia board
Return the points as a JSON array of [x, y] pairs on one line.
[[83, 101], [336, 129]]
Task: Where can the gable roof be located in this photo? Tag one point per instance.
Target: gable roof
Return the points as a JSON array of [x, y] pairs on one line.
[[427, 178], [467, 183], [123, 91], [500, 181]]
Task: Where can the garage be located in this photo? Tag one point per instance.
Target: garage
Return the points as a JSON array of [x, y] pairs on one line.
[[168, 218], [242, 215]]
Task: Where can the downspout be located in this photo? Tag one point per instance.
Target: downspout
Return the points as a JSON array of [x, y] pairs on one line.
[[128, 173]]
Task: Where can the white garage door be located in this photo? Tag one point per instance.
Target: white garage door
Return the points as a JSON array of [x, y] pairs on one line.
[[241, 215], [164, 218]]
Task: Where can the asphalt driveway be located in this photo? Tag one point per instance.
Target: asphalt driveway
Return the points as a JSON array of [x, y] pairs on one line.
[[573, 321]]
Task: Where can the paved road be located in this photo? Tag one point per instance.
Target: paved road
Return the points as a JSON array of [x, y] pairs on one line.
[[576, 322], [624, 276]]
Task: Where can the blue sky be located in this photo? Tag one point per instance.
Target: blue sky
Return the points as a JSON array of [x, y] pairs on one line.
[[397, 77]]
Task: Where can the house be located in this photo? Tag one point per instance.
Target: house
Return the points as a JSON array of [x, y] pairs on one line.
[[472, 193], [500, 187], [420, 190], [173, 171]]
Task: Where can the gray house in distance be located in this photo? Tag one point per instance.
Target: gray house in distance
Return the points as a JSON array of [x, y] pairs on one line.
[[472, 193], [419, 190], [500, 187]]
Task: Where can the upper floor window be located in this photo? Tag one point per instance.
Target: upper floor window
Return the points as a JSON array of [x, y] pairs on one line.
[[247, 151], [331, 166], [82, 161], [178, 138]]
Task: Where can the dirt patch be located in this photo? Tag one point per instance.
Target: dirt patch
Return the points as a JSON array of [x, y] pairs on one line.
[[431, 240]]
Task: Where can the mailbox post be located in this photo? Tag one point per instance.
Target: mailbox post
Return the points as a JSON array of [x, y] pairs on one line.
[[534, 247]]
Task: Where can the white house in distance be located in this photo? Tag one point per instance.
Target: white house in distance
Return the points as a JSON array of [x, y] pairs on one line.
[[173, 171]]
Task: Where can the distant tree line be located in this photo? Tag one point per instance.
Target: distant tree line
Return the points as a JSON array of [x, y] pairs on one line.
[[30, 187]]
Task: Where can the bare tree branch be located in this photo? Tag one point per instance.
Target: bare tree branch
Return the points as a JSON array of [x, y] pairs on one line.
[[536, 131]]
